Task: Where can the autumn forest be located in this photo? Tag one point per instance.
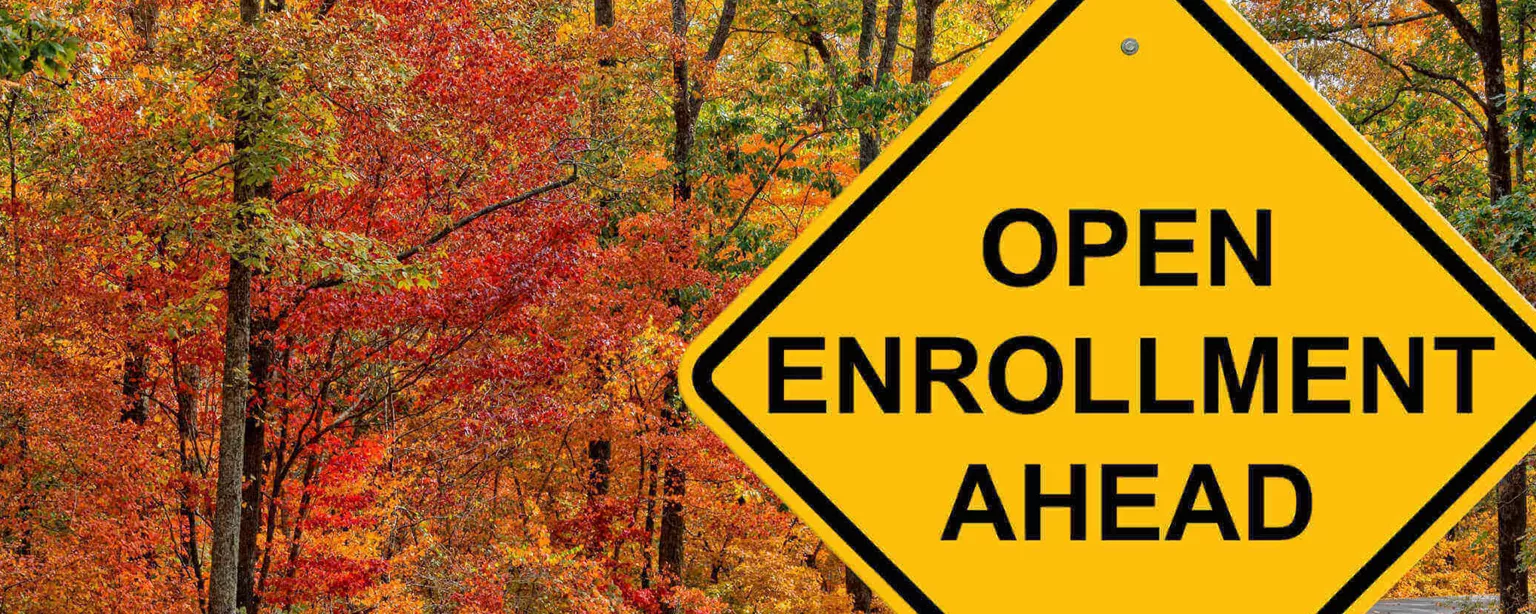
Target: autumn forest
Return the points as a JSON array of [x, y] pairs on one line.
[[376, 305]]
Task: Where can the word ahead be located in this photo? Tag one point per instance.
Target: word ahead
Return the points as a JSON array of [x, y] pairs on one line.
[[1202, 502]]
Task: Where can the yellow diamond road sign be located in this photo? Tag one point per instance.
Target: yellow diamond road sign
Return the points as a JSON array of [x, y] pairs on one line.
[[1130, 321]]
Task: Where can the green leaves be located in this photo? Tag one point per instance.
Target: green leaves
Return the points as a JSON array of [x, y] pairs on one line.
[[32, 41], [1502, 230], [331, 254], [1522, 120]]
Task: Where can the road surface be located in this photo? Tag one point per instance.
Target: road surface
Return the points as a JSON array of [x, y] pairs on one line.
[[1447, 605]]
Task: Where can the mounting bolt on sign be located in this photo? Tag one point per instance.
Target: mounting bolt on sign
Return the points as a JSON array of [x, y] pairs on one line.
[[1010, 370]]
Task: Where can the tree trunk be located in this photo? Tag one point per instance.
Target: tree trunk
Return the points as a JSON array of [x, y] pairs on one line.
[[669, 551], [685, 107], [670, 544], [145, 16], [869, 146], [186, 427], [1514, 592], [1520, 73], [869, 13], [674, 485], [256, 459], [280, 465], [880, 72], [924, 14], [602, 16], [134, 377], [224, 576], [889, 41], [858, 591], [274, 516], [602, 13], [682, 112], [650, 514], [136, 408], [600, 453], [296, 536]]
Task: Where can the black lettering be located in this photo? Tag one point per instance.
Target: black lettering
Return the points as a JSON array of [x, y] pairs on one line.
[[1303, 373], [992, 247], [1151, 246], [1258, 475], [1075, 500], [1409, 390], [778, 373], [1078, 248], [1263, 362], [1202, 478], [1150, 404], [1114, 500], [927, 375], [1464, 347], [1254, 259], [852, 359], [997, 375], [978, 480], [1086, 404]]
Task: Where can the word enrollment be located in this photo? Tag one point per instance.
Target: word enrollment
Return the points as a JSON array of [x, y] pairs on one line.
[[1237, 375]]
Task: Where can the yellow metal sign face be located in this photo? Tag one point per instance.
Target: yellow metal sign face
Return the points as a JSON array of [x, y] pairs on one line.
[[1131, 320]]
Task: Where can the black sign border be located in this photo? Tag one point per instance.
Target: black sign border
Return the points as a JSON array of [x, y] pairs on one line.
[[951, 117]]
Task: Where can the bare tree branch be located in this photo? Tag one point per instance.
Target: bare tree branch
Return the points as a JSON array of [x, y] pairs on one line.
[[438, 236], [722, 31], [746, 206], [890, 38], [961, 53], [814, 37], [1440, 76], [487, 210], [1411, 84], [1312, 34], [1459, 21]]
